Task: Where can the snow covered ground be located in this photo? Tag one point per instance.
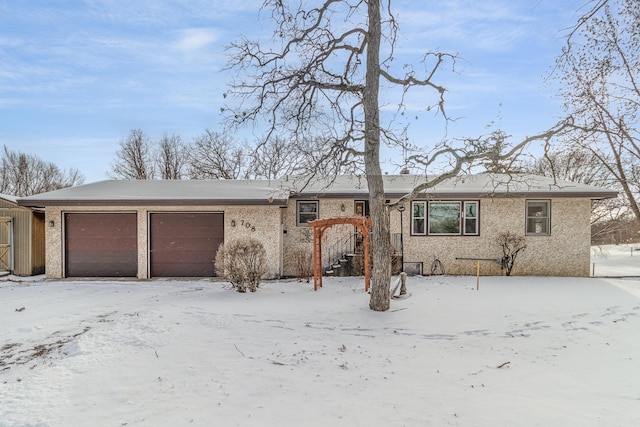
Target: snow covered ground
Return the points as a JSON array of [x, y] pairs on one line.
[[521, 351]]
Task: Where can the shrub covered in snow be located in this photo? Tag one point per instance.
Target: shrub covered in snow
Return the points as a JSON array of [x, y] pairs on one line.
[[242, 262]]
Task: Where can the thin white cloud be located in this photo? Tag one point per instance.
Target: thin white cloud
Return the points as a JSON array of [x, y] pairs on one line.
[[195, 39], [490, 26]]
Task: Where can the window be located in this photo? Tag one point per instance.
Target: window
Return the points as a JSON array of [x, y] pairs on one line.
[[538, 217], [361, 208], [470, 218], [445, 218], [307, 211], [418, 218]]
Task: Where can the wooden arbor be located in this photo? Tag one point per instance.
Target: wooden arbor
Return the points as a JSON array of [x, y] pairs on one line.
[[363, 224]]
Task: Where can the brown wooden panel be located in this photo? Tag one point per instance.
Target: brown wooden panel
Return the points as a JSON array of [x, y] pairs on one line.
[[184, 244], [101, 245]]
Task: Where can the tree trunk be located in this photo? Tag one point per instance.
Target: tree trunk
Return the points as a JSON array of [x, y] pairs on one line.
[[381, 240]]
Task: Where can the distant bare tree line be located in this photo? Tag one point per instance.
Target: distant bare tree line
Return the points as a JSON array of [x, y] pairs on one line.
[[24, 174], [213, 155]]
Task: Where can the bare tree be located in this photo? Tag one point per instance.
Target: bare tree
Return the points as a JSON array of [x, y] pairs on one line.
[[322, 76], [599, 72], [135, 158], [216, 156], [572, 163], [24, 174], [275, 158], [171, 157], [280, 156]]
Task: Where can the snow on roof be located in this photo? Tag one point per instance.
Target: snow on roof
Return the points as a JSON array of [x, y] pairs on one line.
[[10, 199], [135, 192], [479, 185], [277, 191]]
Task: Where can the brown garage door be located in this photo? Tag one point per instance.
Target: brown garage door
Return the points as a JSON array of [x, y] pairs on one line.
[[185, 244], [101, 245]]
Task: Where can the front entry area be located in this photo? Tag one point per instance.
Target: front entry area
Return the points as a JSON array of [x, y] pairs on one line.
[[184, 244]]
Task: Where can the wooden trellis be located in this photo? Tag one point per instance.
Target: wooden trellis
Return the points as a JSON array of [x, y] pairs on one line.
[[363, 224]]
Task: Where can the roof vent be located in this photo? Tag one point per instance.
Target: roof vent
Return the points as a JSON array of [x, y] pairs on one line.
[[405, 171]]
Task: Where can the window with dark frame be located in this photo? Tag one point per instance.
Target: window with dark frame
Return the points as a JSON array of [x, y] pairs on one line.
[[307, 210], [418, 218], [470, 218], [538, 217], [445, 218]]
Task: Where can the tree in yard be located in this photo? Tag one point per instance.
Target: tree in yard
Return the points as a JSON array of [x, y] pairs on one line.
[[573, 164], [322, 76], [274, 158], [216, 156], [279, 156], [171, 157], [135, 158], [599, 74], [24, 174]]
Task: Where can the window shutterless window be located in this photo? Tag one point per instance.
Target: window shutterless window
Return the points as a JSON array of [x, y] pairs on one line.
[[538, 217], [470, 218], [306, 211], [418, 218], [444, 218]]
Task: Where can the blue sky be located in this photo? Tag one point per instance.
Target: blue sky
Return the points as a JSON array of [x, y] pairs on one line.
[[76, 76]]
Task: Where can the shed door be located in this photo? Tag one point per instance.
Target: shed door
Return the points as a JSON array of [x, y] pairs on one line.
[[101, 245], [6, 244], [184, 244]]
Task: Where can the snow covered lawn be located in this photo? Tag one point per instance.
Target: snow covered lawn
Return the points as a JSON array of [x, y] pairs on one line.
[[535, 351]]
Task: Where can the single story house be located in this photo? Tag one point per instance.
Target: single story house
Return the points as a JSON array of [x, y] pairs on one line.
[[147, 229], [21, 238]]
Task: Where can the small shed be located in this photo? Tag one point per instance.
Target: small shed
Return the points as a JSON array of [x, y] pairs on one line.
[[22, 244]]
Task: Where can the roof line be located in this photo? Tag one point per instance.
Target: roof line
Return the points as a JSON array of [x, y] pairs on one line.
[[604, 194], [148, 202]]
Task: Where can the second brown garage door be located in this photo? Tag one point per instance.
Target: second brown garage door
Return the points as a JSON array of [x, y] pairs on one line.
[[184, 244]]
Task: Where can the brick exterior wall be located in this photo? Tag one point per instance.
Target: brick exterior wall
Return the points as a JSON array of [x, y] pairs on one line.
[[259, 222], [565, 252]]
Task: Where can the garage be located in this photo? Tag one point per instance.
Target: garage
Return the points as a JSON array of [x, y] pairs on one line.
[[184, 244], [101, 245]]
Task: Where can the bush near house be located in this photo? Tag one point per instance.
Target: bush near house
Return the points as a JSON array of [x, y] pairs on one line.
[[242, 262], [303, 264], [512, 245]]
